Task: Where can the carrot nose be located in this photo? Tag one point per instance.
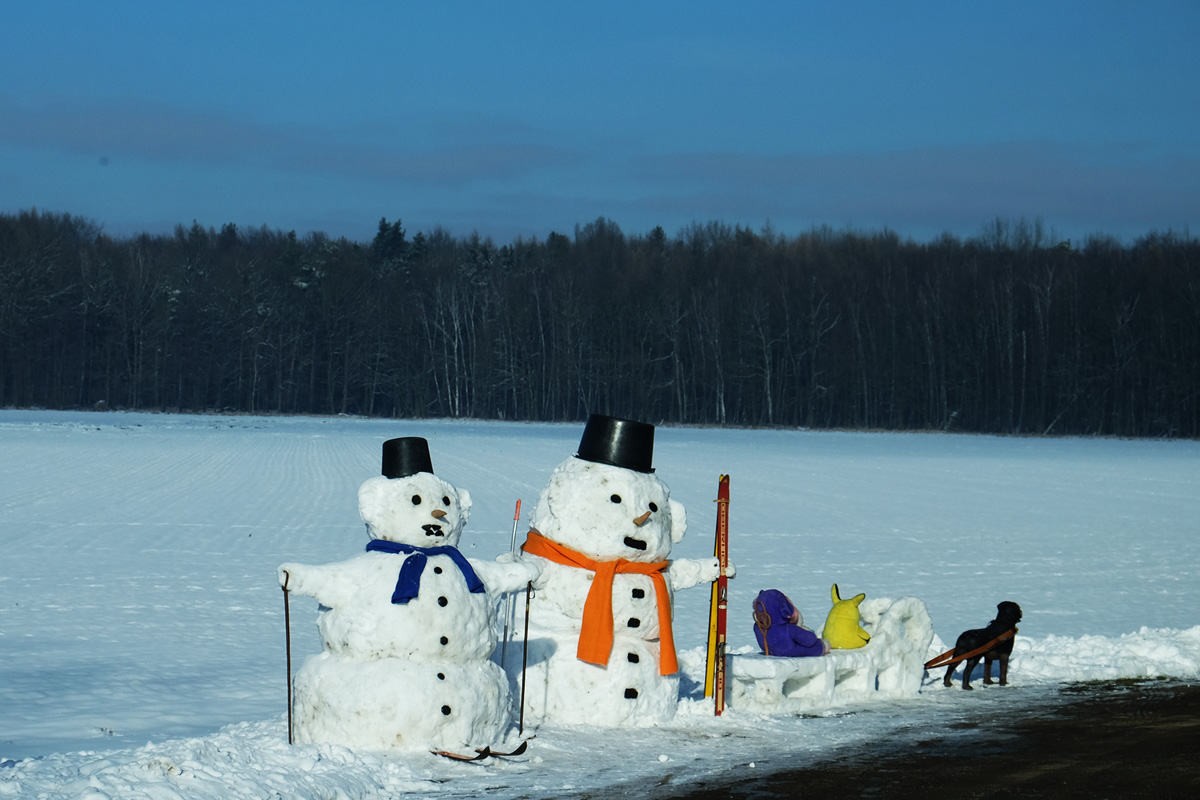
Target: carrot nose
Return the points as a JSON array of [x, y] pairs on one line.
[[438, 514], [640, 521]]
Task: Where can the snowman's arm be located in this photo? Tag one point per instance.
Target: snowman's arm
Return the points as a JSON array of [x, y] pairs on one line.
[[331, 584], [507, 575], [688, 572]]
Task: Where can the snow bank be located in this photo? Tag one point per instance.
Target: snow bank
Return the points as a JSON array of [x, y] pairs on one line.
[[1148, 653], [249, 760], [253, 759]]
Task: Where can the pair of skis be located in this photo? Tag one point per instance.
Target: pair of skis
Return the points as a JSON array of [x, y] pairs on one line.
[[481, 753], [714, 675]]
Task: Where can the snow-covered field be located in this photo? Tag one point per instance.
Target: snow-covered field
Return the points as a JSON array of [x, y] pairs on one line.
[[141, 628]]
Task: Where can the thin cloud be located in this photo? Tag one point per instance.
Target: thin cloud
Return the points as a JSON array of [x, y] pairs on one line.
[[936, 186], [141, 129]]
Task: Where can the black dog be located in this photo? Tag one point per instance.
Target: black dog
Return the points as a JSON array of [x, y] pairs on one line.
[[1007, 617]]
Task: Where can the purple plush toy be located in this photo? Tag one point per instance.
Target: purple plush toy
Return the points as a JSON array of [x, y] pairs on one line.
[[780, 629]]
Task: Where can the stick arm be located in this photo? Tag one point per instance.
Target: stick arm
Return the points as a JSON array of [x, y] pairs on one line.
[[685, 573], [506, 574], [328, 583]]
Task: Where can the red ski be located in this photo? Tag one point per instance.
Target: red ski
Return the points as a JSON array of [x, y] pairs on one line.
[[480, 755], [714, 682]]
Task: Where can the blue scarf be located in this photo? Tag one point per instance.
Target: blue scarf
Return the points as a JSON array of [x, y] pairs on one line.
[[409, 582]]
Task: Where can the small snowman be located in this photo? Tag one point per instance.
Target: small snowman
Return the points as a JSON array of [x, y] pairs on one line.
[[601, 648], [409, 626]]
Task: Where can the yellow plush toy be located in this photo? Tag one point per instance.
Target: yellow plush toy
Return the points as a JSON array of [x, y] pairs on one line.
[[842, 628]]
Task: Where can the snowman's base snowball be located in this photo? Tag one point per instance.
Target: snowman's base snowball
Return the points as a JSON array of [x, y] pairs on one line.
[[629, 692], [392, 704]]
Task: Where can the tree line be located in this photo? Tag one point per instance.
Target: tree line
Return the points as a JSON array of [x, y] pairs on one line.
[[1005, 332]]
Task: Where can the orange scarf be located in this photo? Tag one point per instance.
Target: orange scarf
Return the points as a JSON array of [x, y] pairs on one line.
[[596, 635]]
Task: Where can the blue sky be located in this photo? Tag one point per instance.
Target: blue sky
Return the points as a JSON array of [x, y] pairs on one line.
[[518, 119]]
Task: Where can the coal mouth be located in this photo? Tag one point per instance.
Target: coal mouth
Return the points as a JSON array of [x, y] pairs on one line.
[[432, 530], [636, 544]]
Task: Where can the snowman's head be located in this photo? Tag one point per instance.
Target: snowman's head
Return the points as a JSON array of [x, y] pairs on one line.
[[609, 512], [420, 509]]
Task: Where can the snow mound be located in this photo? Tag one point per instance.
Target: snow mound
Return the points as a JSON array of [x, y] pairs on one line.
[[253, 760], [248, 760], [1148, 653]]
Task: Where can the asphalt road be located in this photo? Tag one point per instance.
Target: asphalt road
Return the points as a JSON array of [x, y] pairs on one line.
[[1096, 740]]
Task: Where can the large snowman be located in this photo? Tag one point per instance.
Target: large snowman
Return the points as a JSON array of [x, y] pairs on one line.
[[601, 647], [409, 626]]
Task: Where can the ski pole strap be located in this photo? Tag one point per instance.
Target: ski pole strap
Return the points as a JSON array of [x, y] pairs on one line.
[[408, 584], [947, 658], [596, 634], [762, 621]]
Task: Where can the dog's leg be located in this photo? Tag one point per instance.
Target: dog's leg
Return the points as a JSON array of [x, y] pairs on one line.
[[1004, 669], [948, 680], [971, 663], [988, 658]]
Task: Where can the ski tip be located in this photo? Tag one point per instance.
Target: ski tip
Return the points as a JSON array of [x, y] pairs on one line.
[[518, 750]]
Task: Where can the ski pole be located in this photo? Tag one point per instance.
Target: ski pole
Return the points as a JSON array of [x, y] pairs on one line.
[[287, 628], [524, 659], [508, 604]]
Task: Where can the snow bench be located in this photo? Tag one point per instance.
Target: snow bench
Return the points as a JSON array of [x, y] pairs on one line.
[[892, 664]]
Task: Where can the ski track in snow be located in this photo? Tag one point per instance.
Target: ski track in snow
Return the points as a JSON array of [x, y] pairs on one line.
[[138, 600]]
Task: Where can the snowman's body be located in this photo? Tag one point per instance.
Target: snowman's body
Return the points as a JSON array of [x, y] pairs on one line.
[[604, 513], [415, 673], [444, 622]]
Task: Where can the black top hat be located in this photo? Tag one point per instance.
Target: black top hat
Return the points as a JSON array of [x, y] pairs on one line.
[[619, 442], [406, 456]]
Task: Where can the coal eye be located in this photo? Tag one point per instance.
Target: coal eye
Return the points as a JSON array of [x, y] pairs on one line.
[[616, 498], [416, 498], [654, 506], [445, 501]]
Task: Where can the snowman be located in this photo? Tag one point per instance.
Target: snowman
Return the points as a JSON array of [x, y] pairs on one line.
[[409, 626], [601, 649]]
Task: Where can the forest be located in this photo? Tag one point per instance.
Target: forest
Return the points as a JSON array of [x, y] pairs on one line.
[[1006, 332]]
